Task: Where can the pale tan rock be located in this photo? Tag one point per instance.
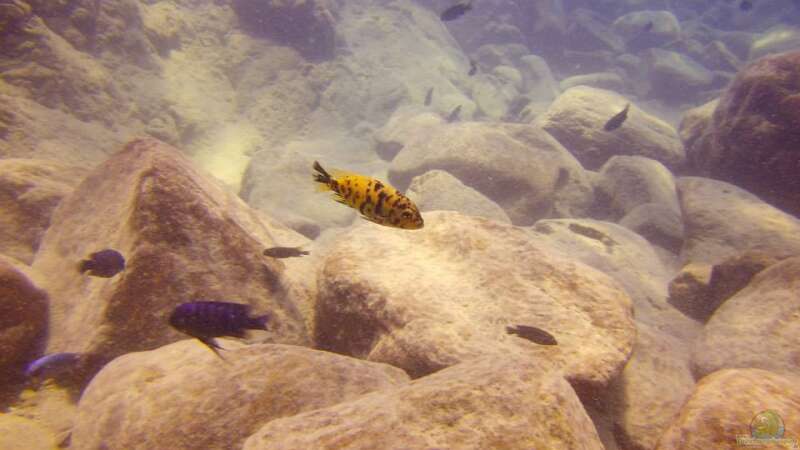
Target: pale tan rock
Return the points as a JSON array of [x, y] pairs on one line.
[[631, 181], [689, 291], [576, 118], [184, 239], [18, 433], [651, 389], [427, 299], [758, 327], [490, 402], [182, 396], [438, 190], [29, 191], [519, 167], [49, 405], [404, 125], [722, 220], [723, 405], [23, 321]]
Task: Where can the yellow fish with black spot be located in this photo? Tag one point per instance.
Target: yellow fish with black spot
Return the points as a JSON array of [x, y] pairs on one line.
[[376, 201]]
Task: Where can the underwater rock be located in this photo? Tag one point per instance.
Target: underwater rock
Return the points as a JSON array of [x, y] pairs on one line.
[[588, 32], [779, 39], [29, 192], [651, 389], [438, 190], [631, 181], [624, 256], [759, 110], [540, 84], [490, 402], [50, 405], [645, 29], [724, 404], [675, 76], [695, 133], [722, 220], [307, 25], [576, 119], [184, 238], [404, 125], [23, 322], [18, 433], [758, 327], [519, 167], [181, 396], [661, 225], [420, 300], [690, 289], [716, 55]]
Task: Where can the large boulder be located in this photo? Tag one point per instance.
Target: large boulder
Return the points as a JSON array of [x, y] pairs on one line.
[[757, 327], [778, 39], [19, 433], [182, 396], [627, 182], [519, 167], [184, 238], [29, 192], [675, 76], [388, 295], [724, 406], [645, 29], [23, 322], [755, 132], [722, 220], [403, 126], [695, 132], [438, 190], [576, 118], [491, 402]]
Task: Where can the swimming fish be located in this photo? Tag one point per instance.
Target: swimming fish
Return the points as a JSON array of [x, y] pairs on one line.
[[284, 252], [376, 201], [105, 263], [473, 67], [206, 320], [51, 363], [648, 26], [454, 114], [746, 5], [456, 11], [533, 334], [429, 97], [616, 121]]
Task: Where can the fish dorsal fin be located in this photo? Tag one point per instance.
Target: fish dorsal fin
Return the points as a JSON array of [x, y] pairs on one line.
[[339, 173]]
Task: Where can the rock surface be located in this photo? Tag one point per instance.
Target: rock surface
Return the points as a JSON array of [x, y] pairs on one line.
[[18, 433], [201, 402], [428, 299], [576, 118], [724, 404], [29, 192], [438, 190], [519, 167], [758, 327], [722, 220], [184, 238], [631, 181], [490, 402], [759, 110]]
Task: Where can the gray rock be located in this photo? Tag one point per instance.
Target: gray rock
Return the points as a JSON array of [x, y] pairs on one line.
[[540, 85], [633, 28], [588, 32], [782, 38], [405, 124], [676, 76], [601, 80], [631, 181], [661, 225], [438, 190]]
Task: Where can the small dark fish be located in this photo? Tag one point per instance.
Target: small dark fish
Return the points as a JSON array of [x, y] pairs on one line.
[[454, 114], [746, 5], [616, 121], [429, 97], [207, 320], [648, 26], [105, 263], [284, 252], [51, 363], [456, 11], [533, 334], [473, 67]]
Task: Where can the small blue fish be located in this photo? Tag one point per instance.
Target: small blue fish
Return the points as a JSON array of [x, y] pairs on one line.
[[105, 263], [51, 363], [207, 320]]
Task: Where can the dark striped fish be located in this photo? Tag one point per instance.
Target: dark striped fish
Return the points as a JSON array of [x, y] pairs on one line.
[[105, 263], [52, 363], [455, 11], [285, 252], [429, 97], [207, 320], [455, 114], [376, 201], [473, 67], [533, 334], [616, 121]]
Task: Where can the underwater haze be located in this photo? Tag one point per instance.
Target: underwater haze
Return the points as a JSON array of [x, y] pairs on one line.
[[399, 224]]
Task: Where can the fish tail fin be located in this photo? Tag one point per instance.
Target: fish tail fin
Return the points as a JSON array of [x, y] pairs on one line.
[[85, 265], [322, 177], [258, 323]]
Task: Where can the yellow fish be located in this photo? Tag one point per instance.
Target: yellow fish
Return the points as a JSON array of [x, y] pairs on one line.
[[376, 201]]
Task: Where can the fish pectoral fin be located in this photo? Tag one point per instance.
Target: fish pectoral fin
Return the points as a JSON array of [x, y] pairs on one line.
[[212, 344]]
